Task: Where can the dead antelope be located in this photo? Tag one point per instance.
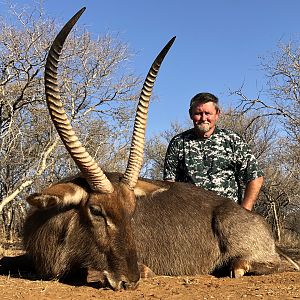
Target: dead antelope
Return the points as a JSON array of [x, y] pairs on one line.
[[120, 224]]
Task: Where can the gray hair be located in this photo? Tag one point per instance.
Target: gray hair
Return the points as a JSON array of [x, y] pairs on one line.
[[204, 98]]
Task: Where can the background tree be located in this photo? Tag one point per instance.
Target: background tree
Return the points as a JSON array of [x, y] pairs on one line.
[[155, 151], [280, 101]]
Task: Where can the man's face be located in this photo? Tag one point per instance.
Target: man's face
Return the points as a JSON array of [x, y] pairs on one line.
[[204, 117]]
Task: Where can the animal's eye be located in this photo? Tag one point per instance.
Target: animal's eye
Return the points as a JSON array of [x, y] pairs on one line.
[[96, 210]]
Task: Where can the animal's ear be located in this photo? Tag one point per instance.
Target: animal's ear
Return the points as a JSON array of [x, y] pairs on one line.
[[62, 194], [41, 201], [145, 188]]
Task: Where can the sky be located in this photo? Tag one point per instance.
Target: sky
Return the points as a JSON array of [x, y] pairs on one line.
[[217, 48]]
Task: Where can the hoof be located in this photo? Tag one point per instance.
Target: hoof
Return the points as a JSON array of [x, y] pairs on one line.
[[240, 268]]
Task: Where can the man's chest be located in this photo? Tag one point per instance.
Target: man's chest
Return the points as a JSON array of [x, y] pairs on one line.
[[208, 154]]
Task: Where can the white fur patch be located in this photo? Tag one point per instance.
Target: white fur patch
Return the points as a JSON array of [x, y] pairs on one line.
[[138, 192], [75, 198], [110, 224]]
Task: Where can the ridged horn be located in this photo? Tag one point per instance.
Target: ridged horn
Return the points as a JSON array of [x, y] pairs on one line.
[[87, 165], [136, 155]]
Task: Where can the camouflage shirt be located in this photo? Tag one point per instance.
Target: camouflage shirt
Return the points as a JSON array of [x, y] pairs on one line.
[[220, 163]]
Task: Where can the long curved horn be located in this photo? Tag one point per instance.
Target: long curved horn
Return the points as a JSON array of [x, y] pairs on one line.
[[90, 169], [135, 160]]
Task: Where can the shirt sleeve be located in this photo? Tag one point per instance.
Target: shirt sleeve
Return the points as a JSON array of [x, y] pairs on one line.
[[247, 165], [172, 160]]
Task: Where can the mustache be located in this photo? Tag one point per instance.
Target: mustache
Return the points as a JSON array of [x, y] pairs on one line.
[[203, 123]]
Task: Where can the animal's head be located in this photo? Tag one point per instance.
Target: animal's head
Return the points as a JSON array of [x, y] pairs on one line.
[[106, 207]]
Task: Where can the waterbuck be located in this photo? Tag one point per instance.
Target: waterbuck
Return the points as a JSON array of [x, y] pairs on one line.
[[123, 225]]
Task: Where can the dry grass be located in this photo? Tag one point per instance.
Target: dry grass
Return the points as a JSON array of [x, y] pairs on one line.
[[290, 239]]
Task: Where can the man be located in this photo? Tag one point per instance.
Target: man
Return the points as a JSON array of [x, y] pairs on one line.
[[213, 158]]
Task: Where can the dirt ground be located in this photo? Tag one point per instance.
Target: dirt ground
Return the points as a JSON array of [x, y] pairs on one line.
[[285, 285], [276, 286]]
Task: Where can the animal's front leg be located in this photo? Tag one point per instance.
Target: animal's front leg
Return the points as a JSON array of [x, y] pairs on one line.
[[95, 276], [145, 272], [239, 268]]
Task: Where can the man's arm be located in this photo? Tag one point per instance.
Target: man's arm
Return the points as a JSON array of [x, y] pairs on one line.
[[251, 192], [171, 161]]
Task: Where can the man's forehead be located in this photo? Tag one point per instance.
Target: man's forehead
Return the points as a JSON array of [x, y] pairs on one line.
[[204, 106]]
